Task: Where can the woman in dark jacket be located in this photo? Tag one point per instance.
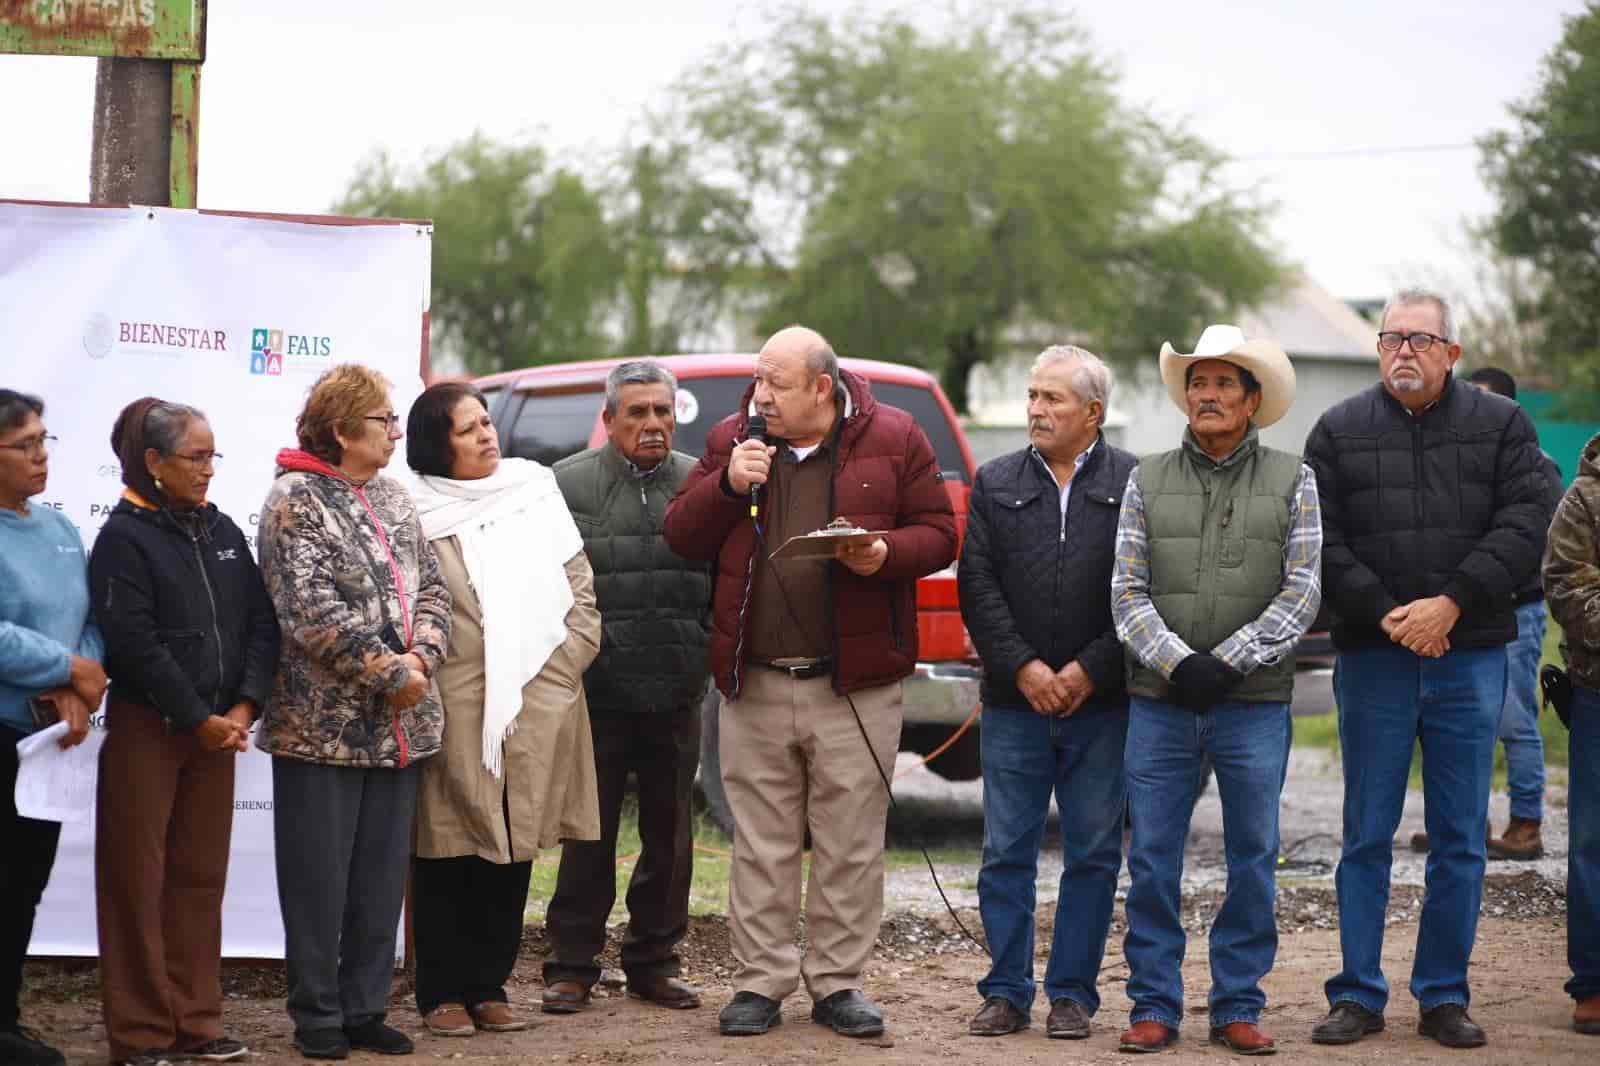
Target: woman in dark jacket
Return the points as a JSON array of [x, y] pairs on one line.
[[191, 648]]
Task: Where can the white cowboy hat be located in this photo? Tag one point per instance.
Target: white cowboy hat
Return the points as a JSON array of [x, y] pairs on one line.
[[1263, 358]]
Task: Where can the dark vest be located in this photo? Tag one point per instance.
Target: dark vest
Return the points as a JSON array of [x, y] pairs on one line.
[[1216, 533], [655, 606]]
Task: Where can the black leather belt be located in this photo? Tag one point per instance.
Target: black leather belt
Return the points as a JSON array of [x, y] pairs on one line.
[[799, 669]]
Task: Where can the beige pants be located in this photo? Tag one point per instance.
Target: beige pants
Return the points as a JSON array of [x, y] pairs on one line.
[[793, 757]]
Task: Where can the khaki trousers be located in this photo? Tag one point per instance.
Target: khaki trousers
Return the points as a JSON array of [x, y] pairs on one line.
[[793, 757], [163, 824]]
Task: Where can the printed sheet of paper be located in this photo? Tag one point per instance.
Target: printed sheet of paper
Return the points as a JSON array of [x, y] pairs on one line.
[[56, 784]]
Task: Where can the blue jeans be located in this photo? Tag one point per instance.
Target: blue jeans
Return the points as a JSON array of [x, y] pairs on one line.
[[1026, 757], [1519, 720], [1249, 743], [1389, 698], [1583, 845]]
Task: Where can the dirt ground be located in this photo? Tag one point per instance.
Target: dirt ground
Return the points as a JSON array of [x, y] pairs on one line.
[[924, 975]]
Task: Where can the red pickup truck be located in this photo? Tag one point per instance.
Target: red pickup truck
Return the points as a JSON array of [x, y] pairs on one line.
[[549, 412]]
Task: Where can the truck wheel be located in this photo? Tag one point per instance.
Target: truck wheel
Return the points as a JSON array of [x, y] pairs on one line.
[[710, 780]]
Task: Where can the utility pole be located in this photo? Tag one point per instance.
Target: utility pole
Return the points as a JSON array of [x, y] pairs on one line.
[[145, 146], [131, 156]]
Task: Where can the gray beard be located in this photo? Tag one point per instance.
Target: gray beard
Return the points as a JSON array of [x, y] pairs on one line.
[[1409, 383]]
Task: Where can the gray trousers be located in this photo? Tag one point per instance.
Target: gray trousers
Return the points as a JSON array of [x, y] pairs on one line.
[[343, 840]]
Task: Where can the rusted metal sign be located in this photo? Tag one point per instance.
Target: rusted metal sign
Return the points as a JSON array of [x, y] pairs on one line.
[[133, 29]]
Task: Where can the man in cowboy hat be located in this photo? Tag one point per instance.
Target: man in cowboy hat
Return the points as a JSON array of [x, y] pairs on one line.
[[1219, 553], [1435, 516]]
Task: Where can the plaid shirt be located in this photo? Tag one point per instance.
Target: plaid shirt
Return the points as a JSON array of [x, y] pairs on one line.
[[1274, 632]]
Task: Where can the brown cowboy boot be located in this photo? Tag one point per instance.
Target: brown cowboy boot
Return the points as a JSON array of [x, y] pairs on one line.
[[1521, 841]]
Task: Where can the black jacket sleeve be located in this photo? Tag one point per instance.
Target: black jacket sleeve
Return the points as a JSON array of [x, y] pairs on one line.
[[1353, 590], [1507, 556], [983, 603], [262, 638], [137, 649]]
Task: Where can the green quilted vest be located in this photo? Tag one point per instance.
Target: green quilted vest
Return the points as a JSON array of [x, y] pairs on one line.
[[1216, 533]]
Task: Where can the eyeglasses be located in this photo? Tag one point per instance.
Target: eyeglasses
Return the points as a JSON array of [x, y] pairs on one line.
[[1391, 341], [33, 447], [389, 421], [199, 458]]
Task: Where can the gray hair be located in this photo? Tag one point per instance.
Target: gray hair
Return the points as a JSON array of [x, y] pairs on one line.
[[166, 423], [637, 372], [822, 360], [1091, 378], [1407, 297]]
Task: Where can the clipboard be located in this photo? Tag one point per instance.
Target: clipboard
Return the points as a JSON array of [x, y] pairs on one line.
[[821, 543]]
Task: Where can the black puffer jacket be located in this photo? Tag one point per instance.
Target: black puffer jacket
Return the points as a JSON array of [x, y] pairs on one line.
[[1450, 502], [655, 606], [1033, 588], [189, 629]]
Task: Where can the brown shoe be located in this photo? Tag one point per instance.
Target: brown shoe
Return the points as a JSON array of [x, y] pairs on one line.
[[1147, 1036], [1244, 1038], [1068, 1020], [1522, 841], [565, 997], [1419, 841], [665, 991], [495, 1016], [997, 1017], [449, 1019], [1586, 1016]]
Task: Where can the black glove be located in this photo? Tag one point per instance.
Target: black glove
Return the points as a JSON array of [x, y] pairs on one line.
[[1201, 681]]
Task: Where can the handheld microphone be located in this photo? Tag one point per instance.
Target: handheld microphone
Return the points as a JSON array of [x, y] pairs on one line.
[[756, 430]]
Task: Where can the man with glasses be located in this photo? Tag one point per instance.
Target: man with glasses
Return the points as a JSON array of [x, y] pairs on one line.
[[1432, 515]]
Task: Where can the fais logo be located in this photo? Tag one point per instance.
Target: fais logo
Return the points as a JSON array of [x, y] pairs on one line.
[[272, 351], [266, 351]]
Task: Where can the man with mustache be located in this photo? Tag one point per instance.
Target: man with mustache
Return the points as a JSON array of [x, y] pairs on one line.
[[1219, 551], [809, 654], [1041, 535], [1434, 514], [644, 691]]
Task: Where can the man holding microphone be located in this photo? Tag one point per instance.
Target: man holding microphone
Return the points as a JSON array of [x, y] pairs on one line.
[[809, 657]]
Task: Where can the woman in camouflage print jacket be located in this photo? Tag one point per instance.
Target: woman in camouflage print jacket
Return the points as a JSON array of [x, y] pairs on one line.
[[365, 616], [327, 568]]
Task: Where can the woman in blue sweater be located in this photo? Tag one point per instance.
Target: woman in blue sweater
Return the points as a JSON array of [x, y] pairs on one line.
[[50, 657]]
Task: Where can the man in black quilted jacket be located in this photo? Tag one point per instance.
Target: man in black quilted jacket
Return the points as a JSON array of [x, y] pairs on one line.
[[1433, 517], [1035, 567], [644, 691]]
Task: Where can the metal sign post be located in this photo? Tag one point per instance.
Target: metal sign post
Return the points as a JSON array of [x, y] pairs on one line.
[[171, 32]]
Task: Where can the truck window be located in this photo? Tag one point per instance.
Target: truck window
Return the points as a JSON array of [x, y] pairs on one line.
[[711, 399], [549, 427], [921, 405]]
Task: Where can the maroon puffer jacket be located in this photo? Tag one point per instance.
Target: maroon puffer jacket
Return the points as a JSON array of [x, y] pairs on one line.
[[886, 476]]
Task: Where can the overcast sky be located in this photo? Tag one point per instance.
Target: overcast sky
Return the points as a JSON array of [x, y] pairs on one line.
[[296, 92]]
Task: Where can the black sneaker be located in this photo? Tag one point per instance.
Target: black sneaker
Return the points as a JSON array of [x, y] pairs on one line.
[[222, 1049], [23, 1047], [848, 1012], [749, 1014], [1450, 1024], [1346, 1023], [373, 1035], [322, 1043]]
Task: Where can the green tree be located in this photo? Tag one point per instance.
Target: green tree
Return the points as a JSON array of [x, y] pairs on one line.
[[683, 244], [525, 267], [1545, 173], [933, 198]]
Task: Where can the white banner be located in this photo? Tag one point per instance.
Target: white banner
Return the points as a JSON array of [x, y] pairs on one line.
[[237, 316]]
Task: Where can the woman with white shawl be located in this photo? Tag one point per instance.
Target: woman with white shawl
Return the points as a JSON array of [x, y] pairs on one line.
[[517, 771]]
